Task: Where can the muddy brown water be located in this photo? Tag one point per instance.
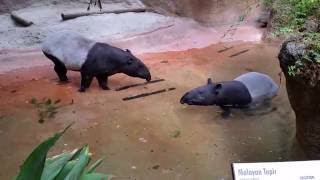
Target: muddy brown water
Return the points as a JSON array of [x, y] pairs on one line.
[[137, 136]]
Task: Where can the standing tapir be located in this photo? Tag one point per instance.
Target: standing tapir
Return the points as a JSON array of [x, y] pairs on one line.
[[71, 51], [245, 91]]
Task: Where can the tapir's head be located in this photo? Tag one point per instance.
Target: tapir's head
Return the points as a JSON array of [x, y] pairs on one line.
[[202, 96], [134, 67]]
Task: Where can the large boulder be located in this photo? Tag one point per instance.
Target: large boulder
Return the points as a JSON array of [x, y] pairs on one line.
[[304, 95]]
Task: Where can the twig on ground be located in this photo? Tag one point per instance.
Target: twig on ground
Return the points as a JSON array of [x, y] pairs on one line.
[[139, 84], [238, 53], [148, 94]]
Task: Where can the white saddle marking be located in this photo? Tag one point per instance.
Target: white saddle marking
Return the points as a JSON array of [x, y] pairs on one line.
[[69, 47], [261, 87]]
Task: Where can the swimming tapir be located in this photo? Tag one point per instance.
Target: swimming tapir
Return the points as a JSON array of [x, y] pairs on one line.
[[71, 51], [246, 91]]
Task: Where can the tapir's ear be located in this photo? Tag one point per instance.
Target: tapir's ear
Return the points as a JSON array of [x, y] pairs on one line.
[[217, 88], [128, 50], [209, 81]]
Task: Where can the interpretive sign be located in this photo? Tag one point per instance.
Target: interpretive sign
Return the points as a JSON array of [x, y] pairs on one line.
[[293, 170]]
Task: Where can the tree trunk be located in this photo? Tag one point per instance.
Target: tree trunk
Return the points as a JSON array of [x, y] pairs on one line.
[[75, 15], [19, 20]]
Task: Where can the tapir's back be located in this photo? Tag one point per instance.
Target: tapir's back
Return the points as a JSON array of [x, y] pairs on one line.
[[260, 86], [69, 47]]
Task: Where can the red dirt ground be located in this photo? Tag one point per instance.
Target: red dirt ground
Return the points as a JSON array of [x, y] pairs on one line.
[[206, 146]]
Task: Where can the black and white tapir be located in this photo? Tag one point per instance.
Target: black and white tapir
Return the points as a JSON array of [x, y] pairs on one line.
[[246, 91], [71, 51]]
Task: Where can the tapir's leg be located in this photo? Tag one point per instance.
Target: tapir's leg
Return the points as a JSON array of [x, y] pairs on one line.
[[61, 70], [85, 81], [88, 81], [89, 5], [100, 5], [226, 111], [59, 67], [103, 81]]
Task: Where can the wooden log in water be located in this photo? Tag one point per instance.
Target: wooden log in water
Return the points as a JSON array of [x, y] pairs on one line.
[[238, 53], [139, 84], [148, 94], [75, 15], [20, 20]]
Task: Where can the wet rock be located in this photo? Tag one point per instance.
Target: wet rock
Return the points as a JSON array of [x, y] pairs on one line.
[[303, 93]]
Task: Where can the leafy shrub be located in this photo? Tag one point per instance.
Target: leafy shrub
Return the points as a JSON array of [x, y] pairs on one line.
[[312, 55], [291, 15], [70, 165]]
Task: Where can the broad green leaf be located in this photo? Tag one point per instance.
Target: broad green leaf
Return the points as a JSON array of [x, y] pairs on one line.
[[54, 165], [77, 154], [93, 167], [33, 166], [96, 176], [83, 161], [66, 170]]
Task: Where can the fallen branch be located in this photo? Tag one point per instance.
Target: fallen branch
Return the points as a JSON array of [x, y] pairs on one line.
[[225, 49], [19, 20], [238, 53], [75, 15], [139, 84], [147, 94]]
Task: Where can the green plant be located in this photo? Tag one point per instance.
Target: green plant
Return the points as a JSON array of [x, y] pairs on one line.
[[291, 15], [289, 18], [70, 165], [312, 54], [46, 108], [268, 3], [294, 70], [312, 41]]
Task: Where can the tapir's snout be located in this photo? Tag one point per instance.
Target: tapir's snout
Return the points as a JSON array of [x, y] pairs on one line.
[[183, 99], [145, 73], [148, 77], [194, 98]]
